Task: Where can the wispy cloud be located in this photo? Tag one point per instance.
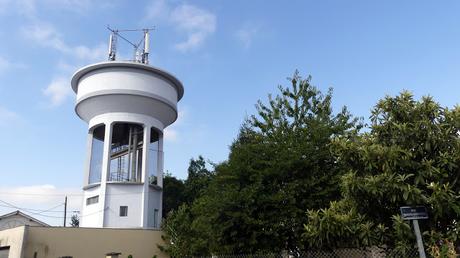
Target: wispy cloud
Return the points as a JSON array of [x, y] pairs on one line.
[[58, 91], [171, 133], [196, 23], [6, 64], [245, 35], [46, 35], [7, 116], [29, 8]]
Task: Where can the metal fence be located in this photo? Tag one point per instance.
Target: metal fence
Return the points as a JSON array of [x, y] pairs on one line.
[[338, 253]]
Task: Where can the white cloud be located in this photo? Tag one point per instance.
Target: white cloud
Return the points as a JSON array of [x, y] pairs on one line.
[[35, 198], [7, 64], [30, 8], [7, 116], [171, 133], [46, 35], [158, 9], [4, 64], [196, 23], [58, 91], [246, 34]]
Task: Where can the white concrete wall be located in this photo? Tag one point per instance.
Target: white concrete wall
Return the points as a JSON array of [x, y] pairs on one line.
[[119, 194], [92, 215], [154, 203], [116, 78], [14, 238]]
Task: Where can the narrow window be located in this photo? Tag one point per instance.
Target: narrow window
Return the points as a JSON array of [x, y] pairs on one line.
[[123, 211], [155, 218], [97, 150], [154, 154], [92, 200]]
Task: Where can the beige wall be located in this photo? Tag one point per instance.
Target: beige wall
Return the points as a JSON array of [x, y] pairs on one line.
[[14, 239], [53, 242]]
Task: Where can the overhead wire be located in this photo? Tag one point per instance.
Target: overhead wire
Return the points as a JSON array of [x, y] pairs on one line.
[[70, 195]]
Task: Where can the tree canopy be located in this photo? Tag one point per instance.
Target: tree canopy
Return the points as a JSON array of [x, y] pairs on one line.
[[410, 156], [279, 166], [301, 177]]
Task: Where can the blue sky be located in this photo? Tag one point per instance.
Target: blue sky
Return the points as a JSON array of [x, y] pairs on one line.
[[228, 54]]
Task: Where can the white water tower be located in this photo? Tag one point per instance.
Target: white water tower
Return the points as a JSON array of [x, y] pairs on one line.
[[127, 105]]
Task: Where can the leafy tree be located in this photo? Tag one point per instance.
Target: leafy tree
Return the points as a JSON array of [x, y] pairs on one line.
[[279, 166], [183, 238], [198, 179], [410, 156], [173, 193], [74, 221]]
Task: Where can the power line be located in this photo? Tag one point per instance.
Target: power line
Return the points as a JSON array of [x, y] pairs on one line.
[[61, 195], [29, 209], [32, 211], [25, 210], [37, 194]]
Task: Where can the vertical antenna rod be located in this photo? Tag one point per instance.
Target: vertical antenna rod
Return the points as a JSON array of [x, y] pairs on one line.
[[112, 46], [145, 56]]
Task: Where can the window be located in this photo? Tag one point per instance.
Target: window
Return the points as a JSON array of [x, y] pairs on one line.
[[123, 211], [97, 151], [92, 200], [154, 152], [126, 153]]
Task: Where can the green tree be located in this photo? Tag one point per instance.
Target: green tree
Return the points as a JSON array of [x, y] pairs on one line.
[[74, 221], [182, 237], [279, 166], [198, 179], [410, 156], [173, 193]]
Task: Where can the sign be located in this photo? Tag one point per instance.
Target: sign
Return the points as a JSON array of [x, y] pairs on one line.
[[413, 213]]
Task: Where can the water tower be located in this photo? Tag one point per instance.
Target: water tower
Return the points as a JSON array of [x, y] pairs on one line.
[[127, 105]]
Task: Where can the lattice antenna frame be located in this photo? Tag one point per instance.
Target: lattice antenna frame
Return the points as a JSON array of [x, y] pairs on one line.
[[140, 51]]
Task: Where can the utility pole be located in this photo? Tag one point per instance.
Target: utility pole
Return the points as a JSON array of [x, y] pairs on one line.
[[65, 210]]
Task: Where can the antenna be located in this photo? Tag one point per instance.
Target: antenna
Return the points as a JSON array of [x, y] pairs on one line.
[[140, 55]]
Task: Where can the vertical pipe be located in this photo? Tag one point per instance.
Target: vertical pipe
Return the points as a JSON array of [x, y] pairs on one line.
[[421, 250], [145, 175], [109, 126], [128, 155], [145, 58], [133, 155], [110, 46]]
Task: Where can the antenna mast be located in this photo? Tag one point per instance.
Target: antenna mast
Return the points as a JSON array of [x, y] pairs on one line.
[[140, 55]]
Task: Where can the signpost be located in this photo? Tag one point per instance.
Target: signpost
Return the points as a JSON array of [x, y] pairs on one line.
[[414, 214]]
